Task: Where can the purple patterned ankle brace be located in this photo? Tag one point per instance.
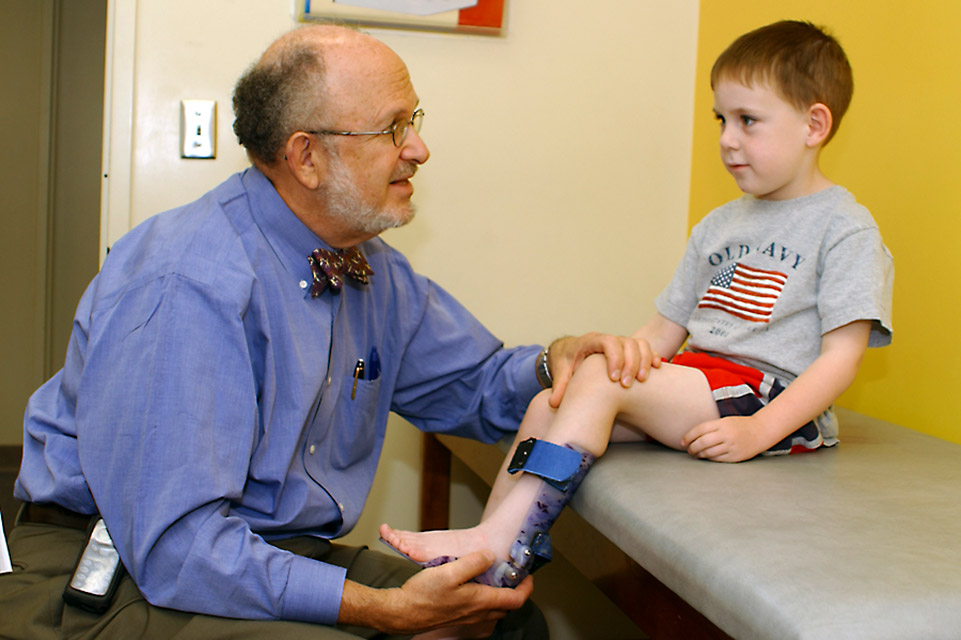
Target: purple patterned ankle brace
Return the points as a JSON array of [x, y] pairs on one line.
[[533, 534]]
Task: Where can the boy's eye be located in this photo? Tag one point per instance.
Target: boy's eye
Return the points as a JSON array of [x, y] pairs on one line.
[[719, 118], [748, 120]]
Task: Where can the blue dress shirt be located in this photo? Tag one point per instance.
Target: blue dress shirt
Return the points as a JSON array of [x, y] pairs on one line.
[[207, 401]]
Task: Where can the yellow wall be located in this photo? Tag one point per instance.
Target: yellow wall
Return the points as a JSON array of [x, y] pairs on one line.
[[899, 151]]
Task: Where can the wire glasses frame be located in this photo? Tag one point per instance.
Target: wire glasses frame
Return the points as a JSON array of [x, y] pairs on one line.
[[397, 131]]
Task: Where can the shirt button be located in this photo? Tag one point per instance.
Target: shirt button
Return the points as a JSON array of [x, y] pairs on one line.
[[329, 380], [340, 505], [312, 449], [303, 284]]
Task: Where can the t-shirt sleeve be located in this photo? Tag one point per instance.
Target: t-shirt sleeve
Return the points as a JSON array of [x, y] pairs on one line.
[[856, 283], [679, 299]]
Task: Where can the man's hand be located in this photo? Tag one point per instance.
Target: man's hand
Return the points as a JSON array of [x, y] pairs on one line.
[[628, 359], [730, 439], [434, 598]]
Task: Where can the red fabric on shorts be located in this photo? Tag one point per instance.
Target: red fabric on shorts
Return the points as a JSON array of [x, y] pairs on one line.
[[720, 372]]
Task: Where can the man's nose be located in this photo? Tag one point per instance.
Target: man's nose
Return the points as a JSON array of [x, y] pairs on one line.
[[414, 149]]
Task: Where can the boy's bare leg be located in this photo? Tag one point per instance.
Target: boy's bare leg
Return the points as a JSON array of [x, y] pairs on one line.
[[537, 420], [666, 406], [459, 542]]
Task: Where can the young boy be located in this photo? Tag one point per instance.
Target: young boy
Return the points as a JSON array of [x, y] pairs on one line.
[[778, 295]]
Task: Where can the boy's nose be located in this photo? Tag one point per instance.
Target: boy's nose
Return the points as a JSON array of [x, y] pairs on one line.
[[728, 139]]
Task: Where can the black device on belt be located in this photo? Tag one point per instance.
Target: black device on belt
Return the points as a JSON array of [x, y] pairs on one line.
[[98, 572]]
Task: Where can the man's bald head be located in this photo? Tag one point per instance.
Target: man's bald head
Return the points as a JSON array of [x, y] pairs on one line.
[[287, 88]]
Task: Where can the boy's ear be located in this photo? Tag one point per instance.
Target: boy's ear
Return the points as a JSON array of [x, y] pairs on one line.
[[819, 124], [305, 159]]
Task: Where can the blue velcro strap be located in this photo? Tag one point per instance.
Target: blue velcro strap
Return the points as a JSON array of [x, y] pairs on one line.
[[554, 463]]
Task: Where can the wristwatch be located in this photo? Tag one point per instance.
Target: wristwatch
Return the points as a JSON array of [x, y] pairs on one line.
[[543, 368]]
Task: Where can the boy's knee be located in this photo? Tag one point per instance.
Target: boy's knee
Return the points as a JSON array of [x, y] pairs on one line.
[[593, 374], [537, 419]]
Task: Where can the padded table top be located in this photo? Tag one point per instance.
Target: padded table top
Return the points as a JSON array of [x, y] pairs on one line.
[[859, 541]]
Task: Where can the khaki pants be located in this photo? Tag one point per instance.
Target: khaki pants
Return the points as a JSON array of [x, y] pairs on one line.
[[44, 557]]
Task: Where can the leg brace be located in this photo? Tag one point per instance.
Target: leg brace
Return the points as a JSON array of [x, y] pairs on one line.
[[562, 468]]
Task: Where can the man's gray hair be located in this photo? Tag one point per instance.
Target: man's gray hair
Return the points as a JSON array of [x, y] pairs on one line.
[[279, 94]]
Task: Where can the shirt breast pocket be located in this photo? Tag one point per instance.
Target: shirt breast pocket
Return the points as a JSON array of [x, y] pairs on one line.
[[355, 429]]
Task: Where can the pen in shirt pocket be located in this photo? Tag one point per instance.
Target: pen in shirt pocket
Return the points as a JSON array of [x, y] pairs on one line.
[[358, 373], [369, 370]]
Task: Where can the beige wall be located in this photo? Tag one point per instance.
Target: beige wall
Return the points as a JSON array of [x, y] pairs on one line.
[[555, 200], [565, 143]]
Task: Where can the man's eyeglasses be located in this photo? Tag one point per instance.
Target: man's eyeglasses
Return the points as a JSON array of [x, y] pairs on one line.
[[396, 131]]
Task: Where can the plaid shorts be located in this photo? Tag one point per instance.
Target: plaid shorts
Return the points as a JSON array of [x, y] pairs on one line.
[[740, 391]]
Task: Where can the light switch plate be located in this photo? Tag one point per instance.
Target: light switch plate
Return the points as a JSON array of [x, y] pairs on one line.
[[198, 128]]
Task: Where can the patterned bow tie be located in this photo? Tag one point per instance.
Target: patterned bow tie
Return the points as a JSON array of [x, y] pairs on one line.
[[330, 267]]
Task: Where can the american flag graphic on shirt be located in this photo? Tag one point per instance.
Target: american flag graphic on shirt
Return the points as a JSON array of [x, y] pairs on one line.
[[745, 292]]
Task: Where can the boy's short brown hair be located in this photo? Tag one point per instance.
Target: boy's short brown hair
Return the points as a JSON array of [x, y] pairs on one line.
[[797, 59]]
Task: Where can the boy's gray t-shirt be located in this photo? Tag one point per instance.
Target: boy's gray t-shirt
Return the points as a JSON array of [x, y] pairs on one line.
[[761, 281]]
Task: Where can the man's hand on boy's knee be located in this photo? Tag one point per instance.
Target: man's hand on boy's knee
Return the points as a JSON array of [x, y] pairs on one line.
[[730, 439], [628, 359]]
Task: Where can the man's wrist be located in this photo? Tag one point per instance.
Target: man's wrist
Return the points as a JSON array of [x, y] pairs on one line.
[[365, 606], [542, 366]]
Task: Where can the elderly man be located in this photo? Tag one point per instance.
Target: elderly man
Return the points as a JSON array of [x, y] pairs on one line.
[[225, 395]]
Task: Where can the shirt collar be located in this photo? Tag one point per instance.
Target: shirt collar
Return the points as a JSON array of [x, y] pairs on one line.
[[289, 238]]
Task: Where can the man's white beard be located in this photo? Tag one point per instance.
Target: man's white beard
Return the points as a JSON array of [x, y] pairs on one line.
[[344, 203]]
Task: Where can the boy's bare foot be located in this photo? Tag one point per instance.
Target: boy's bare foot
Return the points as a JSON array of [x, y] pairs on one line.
[[428, 545]]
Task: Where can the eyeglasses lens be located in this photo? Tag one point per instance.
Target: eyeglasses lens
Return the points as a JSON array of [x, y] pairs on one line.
[[399, 134]]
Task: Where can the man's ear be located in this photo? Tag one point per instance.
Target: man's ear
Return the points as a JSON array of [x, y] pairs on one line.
[[819, 124], [306, 159]]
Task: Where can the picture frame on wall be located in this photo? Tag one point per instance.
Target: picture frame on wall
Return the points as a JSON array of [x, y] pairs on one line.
[[482, 17]]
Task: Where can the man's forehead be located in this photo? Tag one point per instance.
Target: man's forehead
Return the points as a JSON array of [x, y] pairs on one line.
[[380, 77]]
